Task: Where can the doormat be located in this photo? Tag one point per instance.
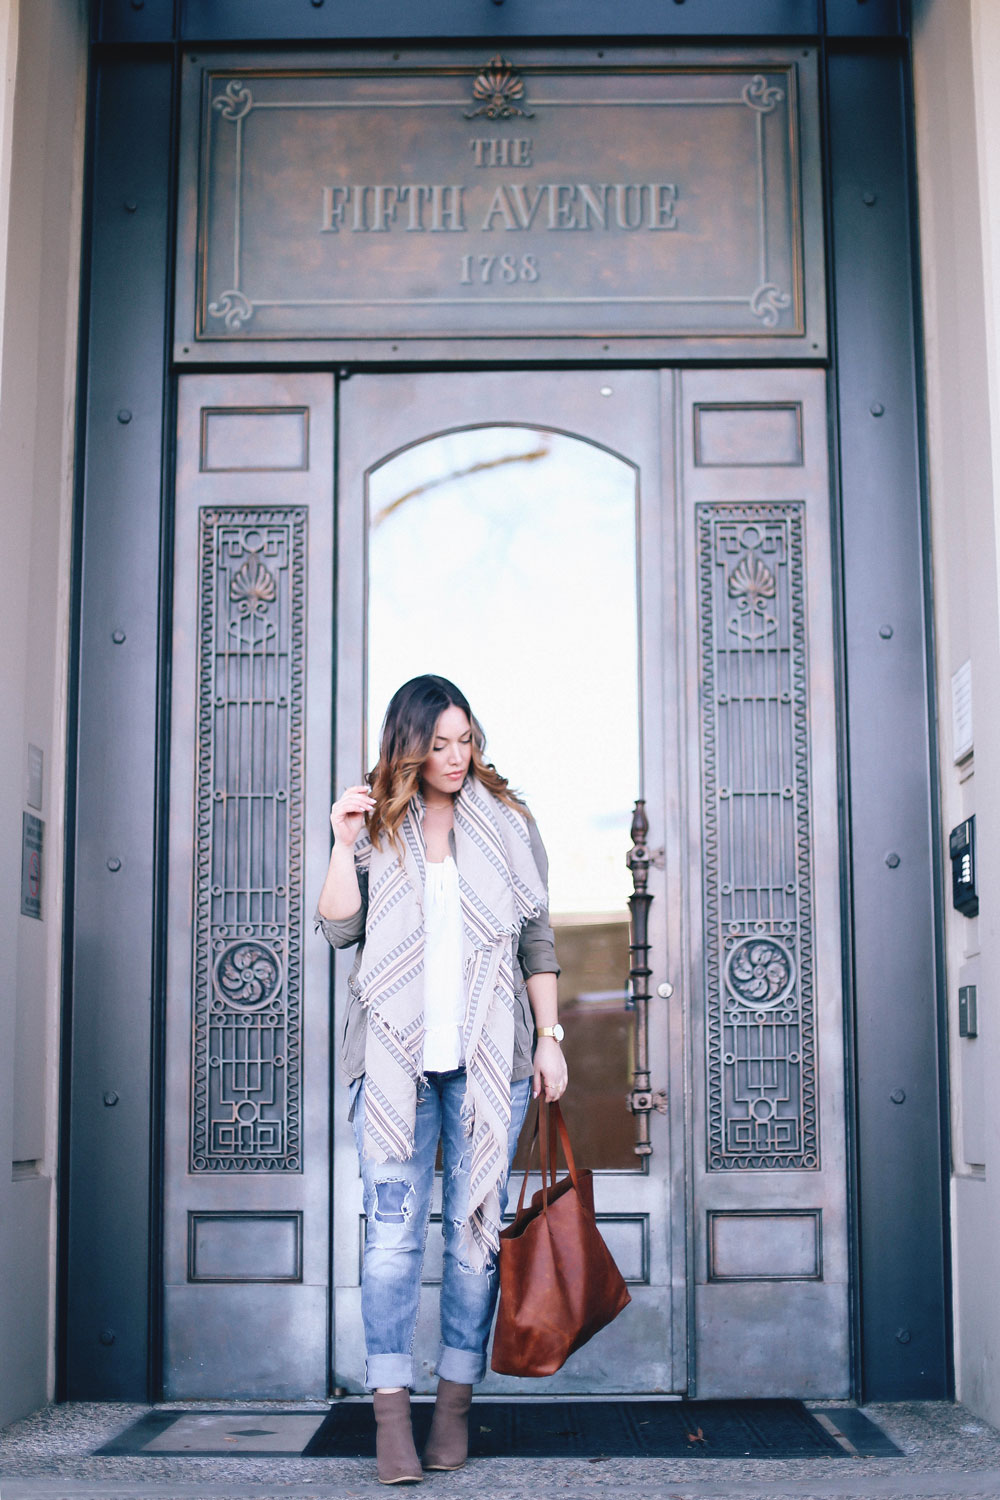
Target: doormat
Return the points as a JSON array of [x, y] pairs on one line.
[[523, 1429], [628, 1429]]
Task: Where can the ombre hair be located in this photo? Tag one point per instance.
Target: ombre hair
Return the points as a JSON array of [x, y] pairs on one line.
[[407, 737]]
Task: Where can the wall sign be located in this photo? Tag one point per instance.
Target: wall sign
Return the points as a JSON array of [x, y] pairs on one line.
[[649, 202], [32, 834]]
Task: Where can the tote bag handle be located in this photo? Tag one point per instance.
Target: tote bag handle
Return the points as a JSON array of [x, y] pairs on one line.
[[548, 1151]]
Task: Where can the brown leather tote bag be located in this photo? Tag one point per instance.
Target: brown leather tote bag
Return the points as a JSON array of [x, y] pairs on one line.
[[558, 1283]]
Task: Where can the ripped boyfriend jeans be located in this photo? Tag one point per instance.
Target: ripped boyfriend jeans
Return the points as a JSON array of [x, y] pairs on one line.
[[397, 1200]]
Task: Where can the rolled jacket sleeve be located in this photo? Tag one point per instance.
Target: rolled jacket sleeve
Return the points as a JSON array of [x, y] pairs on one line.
[[342, 932], [536, 949]]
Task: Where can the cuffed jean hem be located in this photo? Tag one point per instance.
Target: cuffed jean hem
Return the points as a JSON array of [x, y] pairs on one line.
[[463, 1366], [388, 1369]]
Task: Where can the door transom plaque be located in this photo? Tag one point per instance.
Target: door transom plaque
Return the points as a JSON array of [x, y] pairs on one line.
[[669, 200]]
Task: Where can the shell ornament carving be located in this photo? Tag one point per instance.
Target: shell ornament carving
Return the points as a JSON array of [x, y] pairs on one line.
[[498, 87], [752, 583], [760, 973], [253, 588]]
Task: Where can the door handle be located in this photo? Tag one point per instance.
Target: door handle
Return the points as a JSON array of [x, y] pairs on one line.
[[643, 1099]]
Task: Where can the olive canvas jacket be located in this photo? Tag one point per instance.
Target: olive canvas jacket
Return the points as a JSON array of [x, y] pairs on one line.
[[533, 952]]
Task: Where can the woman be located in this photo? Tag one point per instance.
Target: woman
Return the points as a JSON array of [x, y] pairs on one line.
[[438, 873]]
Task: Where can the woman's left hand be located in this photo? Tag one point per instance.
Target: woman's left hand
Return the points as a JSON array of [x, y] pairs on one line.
[[550, 1069]]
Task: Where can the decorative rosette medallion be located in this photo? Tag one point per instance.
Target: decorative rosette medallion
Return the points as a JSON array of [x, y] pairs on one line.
[[760, 972]]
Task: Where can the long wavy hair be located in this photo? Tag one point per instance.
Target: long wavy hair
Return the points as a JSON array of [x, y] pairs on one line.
[[407, 737]]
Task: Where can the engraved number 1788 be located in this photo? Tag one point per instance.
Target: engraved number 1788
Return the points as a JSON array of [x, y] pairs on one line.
[[508, 268]]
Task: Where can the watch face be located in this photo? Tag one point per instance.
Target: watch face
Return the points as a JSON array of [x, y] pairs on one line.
[[558, 1032]]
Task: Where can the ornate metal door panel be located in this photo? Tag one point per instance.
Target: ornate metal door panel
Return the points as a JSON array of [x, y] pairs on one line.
[[247, 1162], [510, 524], [769, 1269]]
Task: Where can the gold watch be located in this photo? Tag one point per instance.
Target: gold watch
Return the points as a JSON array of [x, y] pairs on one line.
[[555, 1031]]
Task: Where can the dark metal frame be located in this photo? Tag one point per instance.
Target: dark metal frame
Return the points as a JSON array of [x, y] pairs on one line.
[[113, 964], [894, 945], [109, 1320]]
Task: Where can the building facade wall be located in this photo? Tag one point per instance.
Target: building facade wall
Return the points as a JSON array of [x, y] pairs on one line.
[[956, 58], [42, 117], [42, 114]]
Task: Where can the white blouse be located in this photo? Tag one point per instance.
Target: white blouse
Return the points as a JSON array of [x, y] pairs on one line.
[[444, 982]]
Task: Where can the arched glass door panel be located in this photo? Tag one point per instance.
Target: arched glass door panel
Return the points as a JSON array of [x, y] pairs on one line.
[[504, 558]]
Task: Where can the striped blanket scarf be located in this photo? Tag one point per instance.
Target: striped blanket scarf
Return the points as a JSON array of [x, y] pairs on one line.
[[500, 890]]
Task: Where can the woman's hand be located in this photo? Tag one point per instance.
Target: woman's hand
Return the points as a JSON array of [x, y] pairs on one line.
[[550, 1069], [347, 815]]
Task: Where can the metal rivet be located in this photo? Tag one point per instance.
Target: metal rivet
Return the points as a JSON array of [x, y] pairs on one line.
[[110, 1098], [664, 991], [114, 864], [130, 205], [903, 1335], [138, 4], [868, 199], [898, 1096], [106, 1337], [877, 409], [885, 631], [317, 3], [118, 636], [124, 416], [892, 860]]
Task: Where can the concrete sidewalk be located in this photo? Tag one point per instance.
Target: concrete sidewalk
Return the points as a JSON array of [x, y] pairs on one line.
[[946, 1452]]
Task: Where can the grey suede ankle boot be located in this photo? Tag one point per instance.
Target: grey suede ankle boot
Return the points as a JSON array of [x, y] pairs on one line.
[[448, 1440], [395, 1453]]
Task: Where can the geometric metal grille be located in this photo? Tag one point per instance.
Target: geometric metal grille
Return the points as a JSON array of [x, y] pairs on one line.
[[761, 1037], [246, 1063]]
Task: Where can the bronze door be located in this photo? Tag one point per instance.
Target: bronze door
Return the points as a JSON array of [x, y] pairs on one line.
[[768, 1268], [500, 529], [628, 574], [247, 1202]]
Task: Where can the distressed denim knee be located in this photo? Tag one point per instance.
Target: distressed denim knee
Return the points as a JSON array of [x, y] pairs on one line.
[[393, 1202]]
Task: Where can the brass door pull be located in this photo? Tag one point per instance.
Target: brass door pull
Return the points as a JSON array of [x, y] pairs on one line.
[[643, 1098]]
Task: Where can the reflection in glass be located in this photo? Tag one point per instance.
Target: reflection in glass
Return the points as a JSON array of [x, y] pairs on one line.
[[504, 558]]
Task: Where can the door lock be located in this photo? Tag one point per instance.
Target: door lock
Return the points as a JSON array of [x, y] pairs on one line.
[[641, 1101]]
